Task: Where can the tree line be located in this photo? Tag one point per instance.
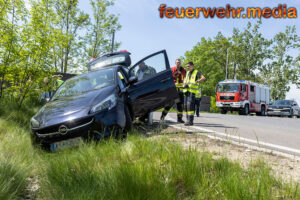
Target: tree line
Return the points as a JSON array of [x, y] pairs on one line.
[[250, 57], [39, 37]]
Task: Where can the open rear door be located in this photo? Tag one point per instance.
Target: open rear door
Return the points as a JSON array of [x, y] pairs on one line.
[[155, 87]]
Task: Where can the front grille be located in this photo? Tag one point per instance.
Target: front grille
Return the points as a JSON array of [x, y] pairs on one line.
[[70, 124], [226, 97]]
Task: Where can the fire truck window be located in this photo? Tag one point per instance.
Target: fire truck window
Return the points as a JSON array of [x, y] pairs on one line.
[[243, 88], [252, 88]]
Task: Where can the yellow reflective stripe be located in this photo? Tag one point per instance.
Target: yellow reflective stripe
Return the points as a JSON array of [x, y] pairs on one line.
[[190, 112], [179, 112]]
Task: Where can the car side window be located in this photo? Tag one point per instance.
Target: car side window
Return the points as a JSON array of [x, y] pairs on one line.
[[149, 67]]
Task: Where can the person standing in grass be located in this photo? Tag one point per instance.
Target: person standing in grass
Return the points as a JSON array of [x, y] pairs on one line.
[[46, 95], [57, 81]]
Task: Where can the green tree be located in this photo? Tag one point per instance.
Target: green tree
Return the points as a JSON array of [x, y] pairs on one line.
[[100, 30], [250, 50], [70, 21], [209, 57], [281, 71], [13, 16]]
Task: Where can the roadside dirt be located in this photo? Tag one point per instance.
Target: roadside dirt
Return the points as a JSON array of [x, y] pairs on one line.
[[286, 168]]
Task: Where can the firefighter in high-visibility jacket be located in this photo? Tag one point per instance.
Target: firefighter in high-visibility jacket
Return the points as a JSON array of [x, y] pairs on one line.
[[178, 75], [191, 87]]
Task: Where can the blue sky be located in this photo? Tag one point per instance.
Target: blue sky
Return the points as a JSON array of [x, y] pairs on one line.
[[143, 32]]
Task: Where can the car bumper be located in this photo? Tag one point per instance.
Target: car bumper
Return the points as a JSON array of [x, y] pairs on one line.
[[95, 126], [229, 104], [278, 113]]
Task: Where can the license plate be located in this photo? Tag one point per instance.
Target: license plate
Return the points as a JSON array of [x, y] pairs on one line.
[[58, 146]]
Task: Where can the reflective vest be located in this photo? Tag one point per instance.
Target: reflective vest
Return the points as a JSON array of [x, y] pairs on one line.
[[190, 83], [198, 94]]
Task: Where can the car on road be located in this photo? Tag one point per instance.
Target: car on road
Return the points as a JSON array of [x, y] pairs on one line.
[[104, 100], [288, 108]]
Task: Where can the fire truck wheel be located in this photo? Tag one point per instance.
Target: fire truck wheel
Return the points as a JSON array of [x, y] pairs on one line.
[[263, 111], [223, 111], [245, 110]]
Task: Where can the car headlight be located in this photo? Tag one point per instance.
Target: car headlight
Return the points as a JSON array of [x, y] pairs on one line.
[[34, 123], [107, 103]]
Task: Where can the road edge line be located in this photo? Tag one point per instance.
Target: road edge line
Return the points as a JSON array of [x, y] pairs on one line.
[[241, 140]]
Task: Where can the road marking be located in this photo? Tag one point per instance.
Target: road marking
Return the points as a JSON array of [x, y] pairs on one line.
[[262, 146]]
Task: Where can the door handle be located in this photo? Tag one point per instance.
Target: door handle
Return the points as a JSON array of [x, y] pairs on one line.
[[165, 80]]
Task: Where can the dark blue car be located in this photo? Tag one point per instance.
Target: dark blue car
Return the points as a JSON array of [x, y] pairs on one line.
[[104, 100]]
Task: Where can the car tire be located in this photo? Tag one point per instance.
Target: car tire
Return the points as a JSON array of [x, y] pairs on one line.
[[128, 124], [223, 111], [292, 114]]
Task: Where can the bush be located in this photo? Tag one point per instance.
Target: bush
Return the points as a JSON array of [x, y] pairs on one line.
[[213, 107]]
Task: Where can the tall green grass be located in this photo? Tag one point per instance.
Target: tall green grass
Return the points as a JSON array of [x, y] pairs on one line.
[[138, 168]]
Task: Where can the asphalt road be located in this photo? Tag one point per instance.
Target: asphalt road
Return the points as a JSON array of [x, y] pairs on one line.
[[281, 134]]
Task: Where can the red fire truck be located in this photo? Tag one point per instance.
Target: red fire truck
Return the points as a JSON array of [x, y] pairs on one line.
[[242, 96]]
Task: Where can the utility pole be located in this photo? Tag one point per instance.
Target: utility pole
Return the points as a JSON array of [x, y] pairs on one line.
[[113, 40], [227, 63]]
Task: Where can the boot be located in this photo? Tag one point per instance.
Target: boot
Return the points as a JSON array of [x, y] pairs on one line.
[[162, 118], [163, 115], [191, 121], [179, 119], [187, 121]]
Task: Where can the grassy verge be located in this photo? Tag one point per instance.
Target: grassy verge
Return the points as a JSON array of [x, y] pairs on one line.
[[139, 168]]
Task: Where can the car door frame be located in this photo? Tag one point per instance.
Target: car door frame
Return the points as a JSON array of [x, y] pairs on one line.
[[167, 80], [167, 64]]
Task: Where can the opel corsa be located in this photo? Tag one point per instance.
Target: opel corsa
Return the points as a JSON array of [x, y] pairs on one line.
[[104, 100]]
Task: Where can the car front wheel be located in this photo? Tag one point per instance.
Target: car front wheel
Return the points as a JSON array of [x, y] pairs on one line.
[[291, 114], [128, 124]]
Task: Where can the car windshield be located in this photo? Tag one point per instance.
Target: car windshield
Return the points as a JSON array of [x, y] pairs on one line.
[[85, 83], [283, 103], [228, 87]]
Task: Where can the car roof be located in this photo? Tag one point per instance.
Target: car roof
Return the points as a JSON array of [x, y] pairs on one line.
[[126, 62], [88, 72]]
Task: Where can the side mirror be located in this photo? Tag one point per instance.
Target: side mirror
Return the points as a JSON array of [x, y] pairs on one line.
[[270, 103], [133, 80]]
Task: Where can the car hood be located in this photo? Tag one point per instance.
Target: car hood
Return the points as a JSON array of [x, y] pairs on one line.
[[69, 108]]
